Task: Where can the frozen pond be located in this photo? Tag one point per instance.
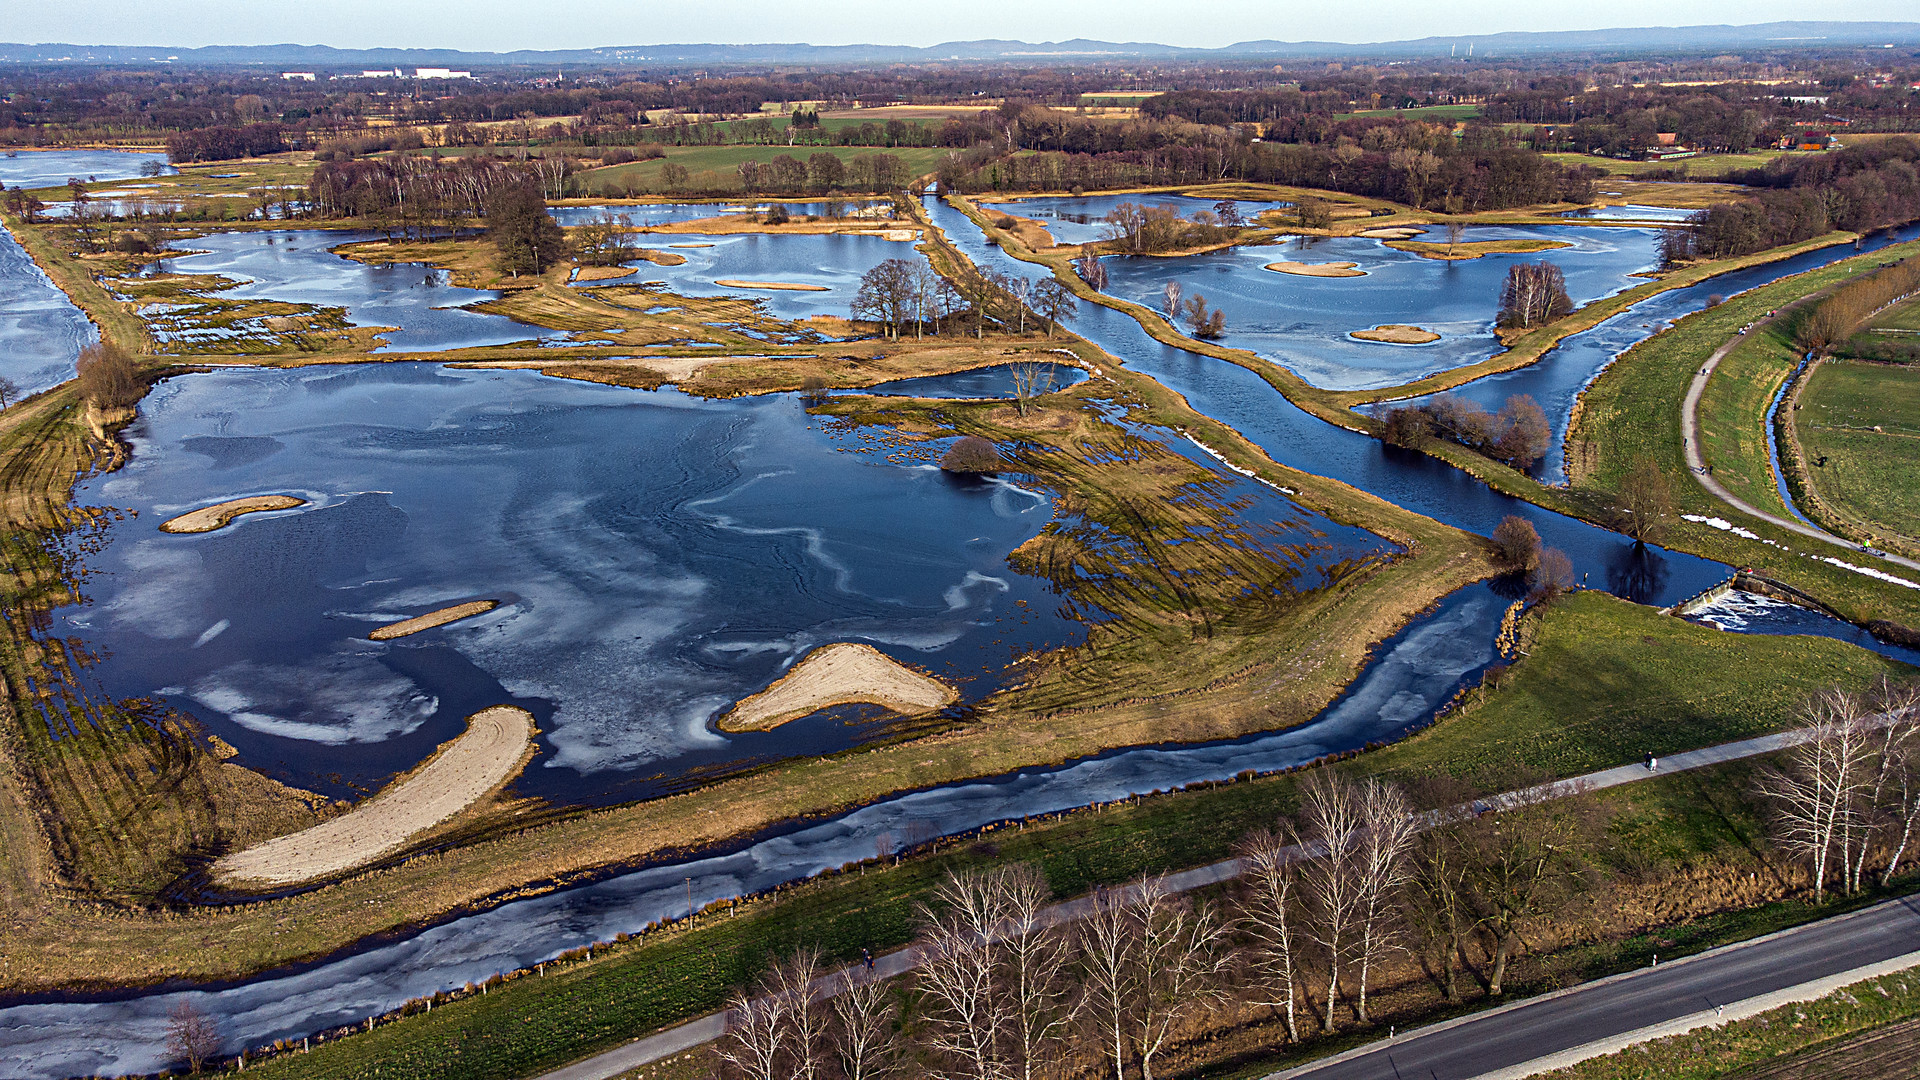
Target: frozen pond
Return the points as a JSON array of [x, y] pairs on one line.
[[48, 168], [832, 263], [1080, 219], [298, 267], [642, 589], [1303, 322], [1631, 212], [655, 557], [1557, 379]]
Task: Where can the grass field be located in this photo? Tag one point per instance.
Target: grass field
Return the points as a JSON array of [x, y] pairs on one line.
[[1424, 112], [1705, 165], [716, 168], [1859, 425], [1902, 316], [1733, 408], [1583, 652], [1631, 413]]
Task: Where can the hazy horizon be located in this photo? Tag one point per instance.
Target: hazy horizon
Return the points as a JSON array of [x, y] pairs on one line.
[[505, 26]]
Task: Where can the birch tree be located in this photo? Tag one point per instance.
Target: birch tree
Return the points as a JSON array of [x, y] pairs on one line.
[[1180, 956], [863, 1042], [966, 1017], [1039, 1003], [1816, 797], [1270, 913], [1330, 825], [1112, 981], [1387, 832]]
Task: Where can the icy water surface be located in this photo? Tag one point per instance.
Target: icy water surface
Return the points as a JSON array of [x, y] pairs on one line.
[[1303, 323], [834, 262], [47, 168], [655, 557], [986, 382], [299, 267], [1082, 219], [41, 332]]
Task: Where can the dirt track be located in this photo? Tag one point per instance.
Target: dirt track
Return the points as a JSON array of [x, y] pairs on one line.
[[839, 674], [460, 774]]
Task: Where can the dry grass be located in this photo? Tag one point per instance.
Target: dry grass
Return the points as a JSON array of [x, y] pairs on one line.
[[209, 518], [843, 673], [1395, 334], [1474, 249]]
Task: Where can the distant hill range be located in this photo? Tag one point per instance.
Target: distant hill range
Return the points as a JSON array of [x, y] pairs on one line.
[[1640, 40]]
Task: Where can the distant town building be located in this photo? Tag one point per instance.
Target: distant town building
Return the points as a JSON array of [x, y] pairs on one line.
[[297, 76], [441, 73], [388, 73]]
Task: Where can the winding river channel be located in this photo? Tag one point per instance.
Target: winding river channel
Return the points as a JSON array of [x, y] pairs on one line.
[[512, 423]]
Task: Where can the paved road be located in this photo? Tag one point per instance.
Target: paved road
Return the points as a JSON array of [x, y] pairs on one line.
[[1489, 1042], [707, 1028], [1690, 442]]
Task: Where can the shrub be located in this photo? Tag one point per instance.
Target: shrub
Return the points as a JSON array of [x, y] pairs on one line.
[[109, 377], [972, 454], [1518, 542]]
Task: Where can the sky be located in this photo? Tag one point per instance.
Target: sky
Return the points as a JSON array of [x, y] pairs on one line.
[[505, 25]]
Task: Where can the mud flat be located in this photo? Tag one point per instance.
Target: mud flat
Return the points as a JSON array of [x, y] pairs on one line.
[[1396, 334], [497, 742], [840, 674], [209, 518], [1327, 269], [777, 286], [1398, 232], [432, 619]]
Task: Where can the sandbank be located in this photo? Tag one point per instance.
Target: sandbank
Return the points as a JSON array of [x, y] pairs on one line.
[[602, 273], [432, 619], [498, 740], [209, 518], [1398, 232], [1397, 334], [839, 674], [1473, 249], [787, 286], [689, 245], [1328, 269]]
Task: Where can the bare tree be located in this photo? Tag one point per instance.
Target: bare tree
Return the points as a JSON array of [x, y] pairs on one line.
[[1551, 575], [108, 376], [1180, 959], [1055, 301], [1646, 503], [1438, 904], [192, 1035], [1092, 271], [1112, 980], [1534, 293], [863, 1042], [1522, 866], [1270, 912], [1039, 1005], [1455, 230], [966, 1015], [1517, 541], [1816, 798], [1031, 379], [1330, 824], [1170, 301], [792, 982], [755, 1044], [9, 390], [1387, 832]]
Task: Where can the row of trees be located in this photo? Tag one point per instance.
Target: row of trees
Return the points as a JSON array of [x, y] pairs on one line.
[[824, 172], [1139, 229], [1831, 320], [900, 293], [1009, 986], [225, 143], [1518, 434], [414, 196]]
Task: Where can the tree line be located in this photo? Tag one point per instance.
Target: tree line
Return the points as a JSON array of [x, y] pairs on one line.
[[1857, 188], [901, 295], [1833, 319]]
